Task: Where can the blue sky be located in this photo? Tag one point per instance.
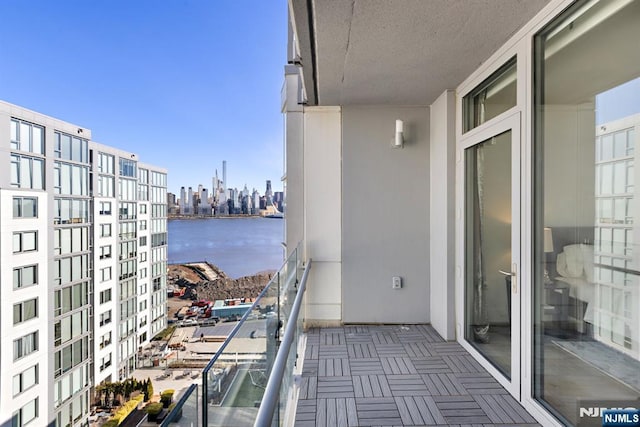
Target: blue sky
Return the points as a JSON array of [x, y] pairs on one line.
[[184, 84]]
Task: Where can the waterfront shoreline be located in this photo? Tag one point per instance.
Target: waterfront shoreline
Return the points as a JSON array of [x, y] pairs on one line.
[[195, 217]]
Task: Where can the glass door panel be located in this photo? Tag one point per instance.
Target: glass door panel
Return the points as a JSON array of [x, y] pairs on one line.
[[488, 249], [586, 311]]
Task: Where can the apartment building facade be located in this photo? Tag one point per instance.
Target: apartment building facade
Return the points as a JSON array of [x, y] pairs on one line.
[[76, 260], [499, 139]]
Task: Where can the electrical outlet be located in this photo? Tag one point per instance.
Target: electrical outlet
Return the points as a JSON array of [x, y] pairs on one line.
[[396, 282]]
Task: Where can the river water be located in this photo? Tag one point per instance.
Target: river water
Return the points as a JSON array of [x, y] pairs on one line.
[[239, 246]]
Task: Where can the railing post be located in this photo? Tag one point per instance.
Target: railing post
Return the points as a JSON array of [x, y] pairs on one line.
[[205, 398]]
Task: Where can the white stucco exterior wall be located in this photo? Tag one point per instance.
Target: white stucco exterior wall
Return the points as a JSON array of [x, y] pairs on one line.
[[323, 213], [294, 182], [442, 146], [385, 225]]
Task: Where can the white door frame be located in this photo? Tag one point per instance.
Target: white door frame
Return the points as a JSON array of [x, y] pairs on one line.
[[509, 121]]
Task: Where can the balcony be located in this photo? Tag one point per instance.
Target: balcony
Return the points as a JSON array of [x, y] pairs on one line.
[[352, 375]]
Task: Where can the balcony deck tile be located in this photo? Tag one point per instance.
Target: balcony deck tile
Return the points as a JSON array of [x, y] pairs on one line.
[[370, 375]]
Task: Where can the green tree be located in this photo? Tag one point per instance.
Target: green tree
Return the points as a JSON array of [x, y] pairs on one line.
[[148, 391], [118, 390]]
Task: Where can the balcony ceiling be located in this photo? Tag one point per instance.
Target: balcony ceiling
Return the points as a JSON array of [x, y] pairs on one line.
[[399, 52]]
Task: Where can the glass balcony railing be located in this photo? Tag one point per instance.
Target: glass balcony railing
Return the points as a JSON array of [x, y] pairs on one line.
[[250, 377]]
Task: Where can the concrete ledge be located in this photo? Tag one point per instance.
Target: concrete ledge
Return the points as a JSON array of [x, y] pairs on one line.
[[321, 323]]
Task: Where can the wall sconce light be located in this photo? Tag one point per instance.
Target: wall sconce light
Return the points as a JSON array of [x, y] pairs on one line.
[[398, 141]]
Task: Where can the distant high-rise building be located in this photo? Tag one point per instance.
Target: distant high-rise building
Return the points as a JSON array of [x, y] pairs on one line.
[[183, 198], [269, 193], [278, 200], [172, 207], [188, 204], [204, 207], [255, 202]]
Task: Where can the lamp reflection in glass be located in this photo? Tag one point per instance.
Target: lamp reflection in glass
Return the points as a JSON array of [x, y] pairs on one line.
[[548, 248]]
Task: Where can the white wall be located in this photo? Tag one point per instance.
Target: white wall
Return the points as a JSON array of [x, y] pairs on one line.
[[442, 146], [385, 199], [322, 213], [294, 189]]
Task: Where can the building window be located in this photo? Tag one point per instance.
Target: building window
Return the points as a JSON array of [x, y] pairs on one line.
[[70, 211], [492, 97], [143, 305], [25, 276], [25, 207], [105, 318], [25, 310], [106, 163], [105, 362], [143, 241], [105, 230], [105, 340], [27, 137], [143, 256], [25, 380], [69, 179], [127, 210], [26, 414], [106, 186], [105, 208], [69, 147], [69, 240], [105, 252], [159, 239], [27, 172], [70, 356], [25, 241], [70, 298], [25, 345], [105, 296], [72, 269], [105, 274], [143, 208], [128, 168], [143, 224]]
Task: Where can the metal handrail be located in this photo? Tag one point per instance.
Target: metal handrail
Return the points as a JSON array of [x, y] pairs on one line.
[[272, 391]]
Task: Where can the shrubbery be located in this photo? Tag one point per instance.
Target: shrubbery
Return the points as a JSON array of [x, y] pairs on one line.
[[166, 397], [124, 411], [153, 409]]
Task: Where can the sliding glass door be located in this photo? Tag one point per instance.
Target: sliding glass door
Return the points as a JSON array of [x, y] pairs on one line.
[[586, 213]]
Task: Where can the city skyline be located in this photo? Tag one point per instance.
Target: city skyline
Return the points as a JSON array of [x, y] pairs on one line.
[[180, 98]]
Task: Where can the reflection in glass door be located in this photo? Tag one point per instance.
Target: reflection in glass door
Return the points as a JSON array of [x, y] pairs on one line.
[[488, 254]]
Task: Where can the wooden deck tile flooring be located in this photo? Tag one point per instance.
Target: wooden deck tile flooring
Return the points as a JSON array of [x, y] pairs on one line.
[[398, 375]]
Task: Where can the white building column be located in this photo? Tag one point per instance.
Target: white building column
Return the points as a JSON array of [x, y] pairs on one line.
[[322, 175], [442, 214]]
